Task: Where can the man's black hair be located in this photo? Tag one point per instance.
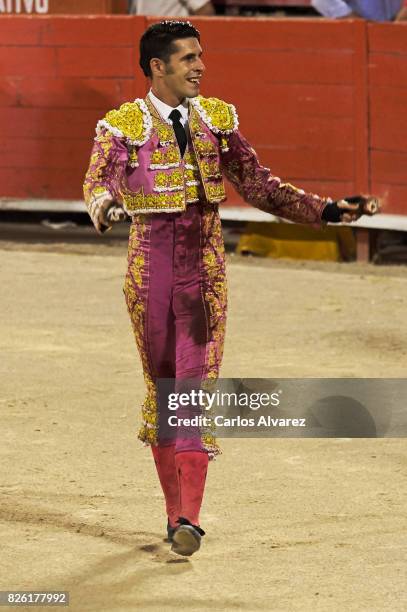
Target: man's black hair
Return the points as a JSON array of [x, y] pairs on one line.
[[158, 41]]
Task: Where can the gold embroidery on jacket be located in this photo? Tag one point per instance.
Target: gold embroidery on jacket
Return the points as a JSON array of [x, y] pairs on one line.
[[197, 177], [194, 122], [133, 201], [168, 158], [210, 169], [138, 201], [165, 133], [192, 193], [192, 176], [133, 158], [205, 148], [173, 181], [216, 191]]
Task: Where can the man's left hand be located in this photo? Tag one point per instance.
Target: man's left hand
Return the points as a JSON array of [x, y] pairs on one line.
[[350, 209]]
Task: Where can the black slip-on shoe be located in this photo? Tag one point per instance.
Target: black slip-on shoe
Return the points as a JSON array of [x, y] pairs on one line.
[[187, 538]]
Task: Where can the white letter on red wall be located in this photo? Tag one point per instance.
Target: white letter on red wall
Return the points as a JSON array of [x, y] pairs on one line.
[[41, 6]]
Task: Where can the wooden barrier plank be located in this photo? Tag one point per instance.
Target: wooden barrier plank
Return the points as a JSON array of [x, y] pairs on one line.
[[388, 119], [301, 110], [49, 153], [23, 61], [283, 66], [388, 99], [45, 30], [115, 62], [303, 164], [15, 32], [77, 31], [45, 123], [290, 99], [389, 167], [312, 133], [387, 37], [9, 91], [388, 70], [41, 183], [394, 197], [73, 92]]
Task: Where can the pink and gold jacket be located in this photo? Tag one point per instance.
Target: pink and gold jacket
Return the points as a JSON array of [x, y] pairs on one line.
[[136, 164]]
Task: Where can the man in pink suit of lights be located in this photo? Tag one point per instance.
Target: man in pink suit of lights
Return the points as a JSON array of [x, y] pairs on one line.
[[161, 160]]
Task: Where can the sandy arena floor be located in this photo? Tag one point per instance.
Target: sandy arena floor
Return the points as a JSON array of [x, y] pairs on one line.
[[291, 524]]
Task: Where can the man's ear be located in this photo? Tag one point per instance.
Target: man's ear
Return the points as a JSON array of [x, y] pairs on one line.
[[157, 66]]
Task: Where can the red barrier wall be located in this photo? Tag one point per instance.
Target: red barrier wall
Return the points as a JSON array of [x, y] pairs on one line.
[[388, 116], [58, 76], [303, 90]]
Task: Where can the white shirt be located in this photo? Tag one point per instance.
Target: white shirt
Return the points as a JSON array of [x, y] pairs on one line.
[[174, 8], [165, 110]]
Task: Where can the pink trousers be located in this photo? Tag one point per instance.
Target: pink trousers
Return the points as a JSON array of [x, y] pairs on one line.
[[176, 295]]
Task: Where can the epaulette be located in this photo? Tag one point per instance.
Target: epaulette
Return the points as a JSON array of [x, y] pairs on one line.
[[218, 115], [132, 121]]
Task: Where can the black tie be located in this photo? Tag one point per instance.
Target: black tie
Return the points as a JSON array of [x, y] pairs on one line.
[[179, 130]]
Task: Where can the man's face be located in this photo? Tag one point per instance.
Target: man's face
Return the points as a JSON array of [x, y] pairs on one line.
[[183, 72]]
